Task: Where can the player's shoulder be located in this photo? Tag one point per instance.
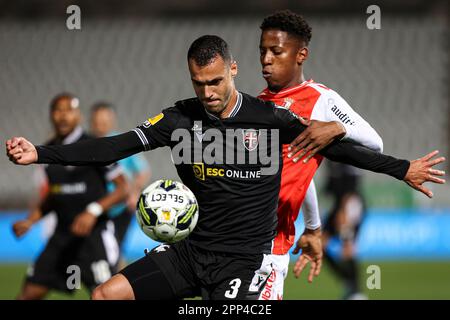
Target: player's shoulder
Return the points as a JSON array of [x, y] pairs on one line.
[[252, 102], [85, 136], [264, 109], [187, 104], [186, 107], [322, 89], [181, 109], [319, 87], [51, 141], [268, 110]]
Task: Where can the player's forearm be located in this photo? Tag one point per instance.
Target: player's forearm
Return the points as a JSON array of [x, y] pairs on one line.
[[364, 158], [365, 135], [98, 152], [140, 180], [117, 196], [35, 215], [356, 127], [310, 207]]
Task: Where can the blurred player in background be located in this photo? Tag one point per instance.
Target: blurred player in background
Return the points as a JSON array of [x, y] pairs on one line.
[[343, 222], [135, 168], [83, 236]]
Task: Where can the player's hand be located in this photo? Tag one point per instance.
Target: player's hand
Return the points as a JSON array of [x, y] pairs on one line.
[[21, 227], [83, 223], [20, 151], [310, 242], [421, 171], [314, 138]]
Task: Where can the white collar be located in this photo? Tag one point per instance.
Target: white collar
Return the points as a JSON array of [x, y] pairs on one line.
[[73, 136], [234, 111]]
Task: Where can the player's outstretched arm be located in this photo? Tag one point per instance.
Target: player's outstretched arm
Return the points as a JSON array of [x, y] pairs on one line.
[[98, 152], [316, 136], [21, 151], [421, 170], [310, 242], [414, 173], [319, 134]]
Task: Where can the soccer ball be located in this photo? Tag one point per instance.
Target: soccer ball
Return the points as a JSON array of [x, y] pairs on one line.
[[167, 211]]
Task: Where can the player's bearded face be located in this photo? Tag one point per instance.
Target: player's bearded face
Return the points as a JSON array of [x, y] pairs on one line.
[[280, 59], [65, 118], [213, 83]]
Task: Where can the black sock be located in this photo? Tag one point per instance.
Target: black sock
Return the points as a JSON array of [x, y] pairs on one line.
[[334, 264], [350, 275]]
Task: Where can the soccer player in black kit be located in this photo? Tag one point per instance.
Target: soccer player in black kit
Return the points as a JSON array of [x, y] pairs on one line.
[[225, 256], [83, 236]]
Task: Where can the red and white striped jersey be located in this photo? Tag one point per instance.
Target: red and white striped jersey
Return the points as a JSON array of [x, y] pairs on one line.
[[315, 101]]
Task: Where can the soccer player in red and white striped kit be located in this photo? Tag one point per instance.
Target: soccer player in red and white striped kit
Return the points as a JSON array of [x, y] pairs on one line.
[[283, 50]]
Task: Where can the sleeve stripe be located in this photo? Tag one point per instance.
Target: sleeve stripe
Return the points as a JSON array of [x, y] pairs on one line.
[[143, 139]]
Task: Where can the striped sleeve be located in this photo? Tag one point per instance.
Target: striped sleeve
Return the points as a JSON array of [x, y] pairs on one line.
[[156, 132]]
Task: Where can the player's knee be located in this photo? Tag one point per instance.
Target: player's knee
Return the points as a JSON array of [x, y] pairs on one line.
[[116, 288], [32, 292], [100, 293]]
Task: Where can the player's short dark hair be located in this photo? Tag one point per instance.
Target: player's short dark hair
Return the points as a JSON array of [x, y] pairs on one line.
[[290, 22], [102, 105], [205, 50], [62, 96]]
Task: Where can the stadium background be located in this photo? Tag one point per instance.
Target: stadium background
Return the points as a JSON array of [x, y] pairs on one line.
[[133, 54]]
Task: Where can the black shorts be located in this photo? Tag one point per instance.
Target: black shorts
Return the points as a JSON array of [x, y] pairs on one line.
[[121, 224], [183, 270], [96, 256]]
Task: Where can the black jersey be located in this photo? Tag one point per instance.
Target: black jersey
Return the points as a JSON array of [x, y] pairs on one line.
[[71, 189], [237, 202]]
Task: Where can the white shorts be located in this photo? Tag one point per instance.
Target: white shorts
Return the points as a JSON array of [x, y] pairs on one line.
[[272, 273]]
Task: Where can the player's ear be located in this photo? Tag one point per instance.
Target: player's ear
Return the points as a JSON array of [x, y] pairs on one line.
[[302, 55], [233, 68]]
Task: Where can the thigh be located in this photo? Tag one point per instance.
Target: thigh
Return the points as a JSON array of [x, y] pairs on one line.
[[158, 276], [273, 285], [98, 257], [32, 291], [121, 224]]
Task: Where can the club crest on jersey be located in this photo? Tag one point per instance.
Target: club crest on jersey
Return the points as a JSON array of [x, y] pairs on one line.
[[153, 121], [250, 139], [288, 103]]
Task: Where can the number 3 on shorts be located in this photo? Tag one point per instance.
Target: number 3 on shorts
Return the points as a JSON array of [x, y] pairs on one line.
[[234, 288]]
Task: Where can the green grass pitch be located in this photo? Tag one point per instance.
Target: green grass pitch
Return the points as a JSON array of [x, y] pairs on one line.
[[399, 280]]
